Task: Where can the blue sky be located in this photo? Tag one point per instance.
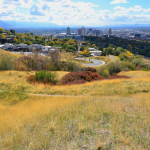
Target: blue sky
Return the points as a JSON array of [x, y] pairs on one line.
[[75, 12]]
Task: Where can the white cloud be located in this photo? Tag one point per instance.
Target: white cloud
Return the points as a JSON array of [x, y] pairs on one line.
[[130, 10], [118, 1], [36, 10], [67, 12]]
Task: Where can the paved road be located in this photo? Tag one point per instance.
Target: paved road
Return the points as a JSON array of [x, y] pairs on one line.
[[95, 62], [112, 57], [147, 57]]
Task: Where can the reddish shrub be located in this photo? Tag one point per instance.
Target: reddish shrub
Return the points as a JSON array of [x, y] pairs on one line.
[[139, 68], [77, 82], [91, 69], [31, 78], [80, 77]]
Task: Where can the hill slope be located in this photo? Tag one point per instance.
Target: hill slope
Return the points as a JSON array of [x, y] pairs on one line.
[[116, 116]]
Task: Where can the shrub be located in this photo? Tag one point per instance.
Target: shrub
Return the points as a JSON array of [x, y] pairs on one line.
[[125, 57], [129, 53], [31, 78], [136, 61], [91, 69], [6, 63], [46, 77], [80, 77], [142, 64], [55, 59], [103, 72], [85, 52], [71, 66], [114, 67], [110, 69], [138, 68], [145, 69], [129, 65], [31, 63], [20, 66], [108, 51]]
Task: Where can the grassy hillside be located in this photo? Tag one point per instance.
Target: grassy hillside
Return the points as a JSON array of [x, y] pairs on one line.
[[99, 115], [4, 53], [108, 122]]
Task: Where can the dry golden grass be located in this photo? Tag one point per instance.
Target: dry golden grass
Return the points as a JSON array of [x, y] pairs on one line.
[[108, 114], [4, 53], [14, 80], [136, 74], [65, 56], [60, 123], [139, 83], [147, 61]]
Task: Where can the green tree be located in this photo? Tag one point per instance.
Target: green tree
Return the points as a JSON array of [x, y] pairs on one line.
[[108, 51], [1, 30], [70, 48], [71, 42], [50, 43], [28, 42]]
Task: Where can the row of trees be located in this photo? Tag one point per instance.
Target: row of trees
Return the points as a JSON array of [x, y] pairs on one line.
[[140, 47]]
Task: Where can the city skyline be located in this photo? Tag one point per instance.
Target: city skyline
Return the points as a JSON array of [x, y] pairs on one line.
[[73, 12]]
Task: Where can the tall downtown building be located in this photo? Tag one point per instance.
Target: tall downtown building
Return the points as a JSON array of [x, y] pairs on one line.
[[81, 31]]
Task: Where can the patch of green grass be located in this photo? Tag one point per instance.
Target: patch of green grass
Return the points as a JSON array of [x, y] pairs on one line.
[[12, 97]]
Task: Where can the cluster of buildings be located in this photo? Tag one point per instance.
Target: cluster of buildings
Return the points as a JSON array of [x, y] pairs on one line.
[[28, 48], [68, 34], [89, 32], [79, 35], [129, 34]]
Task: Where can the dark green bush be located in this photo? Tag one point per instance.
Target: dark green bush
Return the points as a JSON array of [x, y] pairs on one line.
[[108, 51], [111, 69], [118, 50], [46, 77], [114, 68], [145, 69]]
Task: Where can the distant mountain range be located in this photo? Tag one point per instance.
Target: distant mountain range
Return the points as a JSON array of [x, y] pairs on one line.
[[129, 25], [33, 24], [5, 25]]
